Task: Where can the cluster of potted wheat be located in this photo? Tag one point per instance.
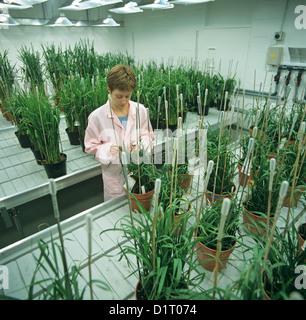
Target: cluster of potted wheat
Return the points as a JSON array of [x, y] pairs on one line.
[[212, 226]]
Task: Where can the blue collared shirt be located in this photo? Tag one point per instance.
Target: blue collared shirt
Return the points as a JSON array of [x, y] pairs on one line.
[[123, 121]]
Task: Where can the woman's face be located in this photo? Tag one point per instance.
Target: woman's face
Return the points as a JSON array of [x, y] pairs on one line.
[[120, 99]]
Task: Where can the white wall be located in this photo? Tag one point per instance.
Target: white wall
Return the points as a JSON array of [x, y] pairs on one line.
[[235, 33], [105, 39]]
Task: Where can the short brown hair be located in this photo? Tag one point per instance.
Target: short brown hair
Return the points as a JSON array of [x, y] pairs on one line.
[[121, 77]]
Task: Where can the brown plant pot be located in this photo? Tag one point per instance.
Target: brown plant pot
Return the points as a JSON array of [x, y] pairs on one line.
[[217, 197], [144, 199], [8, 116], [297, 193], [255, 223], [184, 180], [207, 257], [272, 155], [243, 178]]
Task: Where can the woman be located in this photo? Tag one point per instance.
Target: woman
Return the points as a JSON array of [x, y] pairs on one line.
[[112, 127]]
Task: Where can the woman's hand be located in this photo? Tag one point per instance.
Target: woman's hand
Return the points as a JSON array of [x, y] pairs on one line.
[[115, 148]]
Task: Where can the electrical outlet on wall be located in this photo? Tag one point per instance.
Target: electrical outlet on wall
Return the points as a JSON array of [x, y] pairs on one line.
[[278, 36]]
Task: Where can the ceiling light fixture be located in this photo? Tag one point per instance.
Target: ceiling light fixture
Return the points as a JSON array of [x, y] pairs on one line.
[[24, 3], [11, 6], [78, 5], [130, 7], [108, 22], [82, 24], [62, 21], [158, 5], [6, 20], [188, 2]]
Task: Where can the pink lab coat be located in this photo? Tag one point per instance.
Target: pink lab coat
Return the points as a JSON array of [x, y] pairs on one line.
[[100, 135]]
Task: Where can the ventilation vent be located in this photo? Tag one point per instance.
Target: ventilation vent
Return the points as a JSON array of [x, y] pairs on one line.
[[297, 55]]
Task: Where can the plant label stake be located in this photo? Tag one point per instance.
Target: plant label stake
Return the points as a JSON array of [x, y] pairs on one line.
[[124, 167], [199, 107], [177, 101], [225, 99], [167, 143], [246, 168], [53, 191], [217, 166], [156, 195], [88, 219], [201, 142], [293, 124], [150, 140], [282, 193], [272, 171], [224, 212], [158, 111], [173, 165], [182, 108], [209, 170]]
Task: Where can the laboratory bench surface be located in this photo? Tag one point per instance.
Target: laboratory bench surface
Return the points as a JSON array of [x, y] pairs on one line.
[[20, 258]]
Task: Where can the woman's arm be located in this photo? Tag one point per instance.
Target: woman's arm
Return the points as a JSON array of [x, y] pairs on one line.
[[105, 151]]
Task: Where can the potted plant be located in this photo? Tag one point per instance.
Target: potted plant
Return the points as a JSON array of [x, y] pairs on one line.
[[173, 199], [293, 170], [142, 174], [221, 181], [162, 255], [267, 119], [43, 127], [71, 97], [248, 170], [55, 68], [223, 99], [84, 59], [249, 285], [88, 94], [15, 108], [217, 84], [292, 122], [60, 281], [31, 66], [207, 230], [286, 260], [261, 203], [302, 236], [7, 78]]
